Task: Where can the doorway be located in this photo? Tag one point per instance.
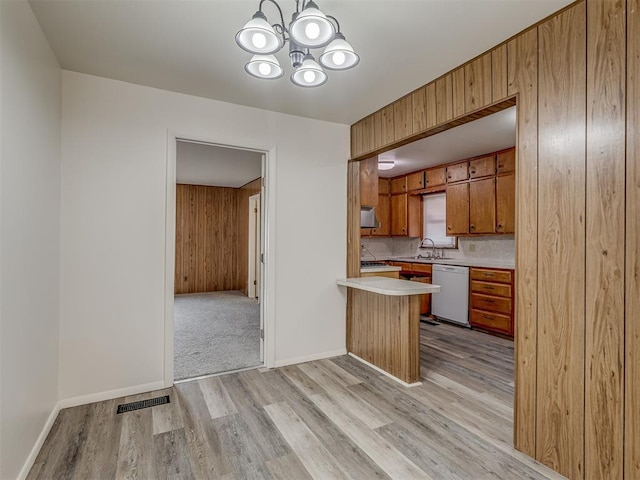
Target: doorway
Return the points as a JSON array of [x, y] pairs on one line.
[[219, 244]]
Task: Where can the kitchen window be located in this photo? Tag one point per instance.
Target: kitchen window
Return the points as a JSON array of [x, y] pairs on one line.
[[435, 220]]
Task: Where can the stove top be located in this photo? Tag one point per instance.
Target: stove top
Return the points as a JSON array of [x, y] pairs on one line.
[[372, 264]]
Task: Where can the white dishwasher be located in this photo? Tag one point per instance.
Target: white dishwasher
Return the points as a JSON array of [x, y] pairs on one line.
[[452, 302]]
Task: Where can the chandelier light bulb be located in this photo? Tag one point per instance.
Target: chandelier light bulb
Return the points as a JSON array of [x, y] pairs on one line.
[[312, 30], [339, 58], [259, 40], [309, 76], [264, 68]]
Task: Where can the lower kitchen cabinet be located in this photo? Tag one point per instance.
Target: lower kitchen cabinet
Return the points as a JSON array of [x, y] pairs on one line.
[[425, 300], [492, 300]]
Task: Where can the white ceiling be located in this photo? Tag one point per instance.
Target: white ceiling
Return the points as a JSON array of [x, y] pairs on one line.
[[489, 134], [188, 46], [202, 164]]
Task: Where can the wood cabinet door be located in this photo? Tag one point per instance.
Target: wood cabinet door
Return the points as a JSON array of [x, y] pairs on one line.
[[384, 186], [399, 215], [482, 206], [398, 185], [414, 216], [435, 176], [458, 172], [383, 214], [457, 209], [415, 181], [369, 182], [482, 167], [506, 204], [506, 161]]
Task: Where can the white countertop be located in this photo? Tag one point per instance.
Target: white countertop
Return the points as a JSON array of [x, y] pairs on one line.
[[464, 262], [389, 286], [386, 268]]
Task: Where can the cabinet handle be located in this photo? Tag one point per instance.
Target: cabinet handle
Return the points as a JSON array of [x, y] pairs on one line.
[[472, 227], [448, 228], [489, 287], [487, 317], [488, 274], [500, 165], [473, 172], [489, 300]]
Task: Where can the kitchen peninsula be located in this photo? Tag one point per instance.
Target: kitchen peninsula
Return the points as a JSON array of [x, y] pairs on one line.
[[383, 324]]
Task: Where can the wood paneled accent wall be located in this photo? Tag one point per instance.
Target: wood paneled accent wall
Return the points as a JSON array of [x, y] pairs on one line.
[[575, 76], [212, 225]]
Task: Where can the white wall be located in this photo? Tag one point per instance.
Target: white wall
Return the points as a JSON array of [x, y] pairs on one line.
[[114, 151], [29, 235]]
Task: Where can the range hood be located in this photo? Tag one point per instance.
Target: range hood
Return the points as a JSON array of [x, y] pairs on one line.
[[368, 218]]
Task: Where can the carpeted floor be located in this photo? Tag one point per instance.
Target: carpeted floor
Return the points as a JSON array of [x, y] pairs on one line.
[[215, 332]]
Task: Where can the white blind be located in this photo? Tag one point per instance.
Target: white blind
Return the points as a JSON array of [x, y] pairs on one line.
[[435, 220]]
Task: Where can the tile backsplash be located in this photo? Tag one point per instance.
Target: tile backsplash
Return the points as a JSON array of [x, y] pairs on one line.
[[491, 247]]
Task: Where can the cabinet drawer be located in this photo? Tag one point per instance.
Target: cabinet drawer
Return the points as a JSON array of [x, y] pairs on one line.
[[506, 161], [421, 267], [404, 265], [499, 289], [399, 185], [501, 276], [494, 304], [380, 274], [482, 167], [415, 181], [492, 321]]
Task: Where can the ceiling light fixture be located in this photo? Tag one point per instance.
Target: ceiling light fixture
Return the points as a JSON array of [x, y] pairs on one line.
[[386, 164], [309, 28]]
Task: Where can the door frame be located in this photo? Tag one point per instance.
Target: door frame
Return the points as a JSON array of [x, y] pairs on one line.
[[255, 247], [268, 220]]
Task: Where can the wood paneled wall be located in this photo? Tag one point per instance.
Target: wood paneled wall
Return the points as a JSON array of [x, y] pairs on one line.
[[212, 243], [575, 76]]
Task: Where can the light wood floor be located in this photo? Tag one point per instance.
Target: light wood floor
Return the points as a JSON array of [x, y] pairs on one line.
[[329, 419]]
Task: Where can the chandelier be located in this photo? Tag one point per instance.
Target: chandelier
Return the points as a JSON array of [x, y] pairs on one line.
[[309, 29]]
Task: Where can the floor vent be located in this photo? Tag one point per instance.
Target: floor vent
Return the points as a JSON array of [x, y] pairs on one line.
[[152, 402]]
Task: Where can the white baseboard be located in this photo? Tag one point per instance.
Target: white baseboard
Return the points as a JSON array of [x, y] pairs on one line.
[[24, 471], [378, 369], [309, 358], [110, 394]]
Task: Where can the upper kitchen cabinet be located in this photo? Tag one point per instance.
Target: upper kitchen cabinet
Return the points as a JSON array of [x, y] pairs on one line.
[[457, 172], [506, 161], [478, 83], [369, 182], [415, 181], [506, 203], [435, 177], [458, 209], [482, 167], [482, 206], [383, 212], [406, 215], [398, 185]]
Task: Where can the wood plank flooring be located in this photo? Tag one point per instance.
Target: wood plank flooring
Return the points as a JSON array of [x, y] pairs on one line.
[[329, 419]]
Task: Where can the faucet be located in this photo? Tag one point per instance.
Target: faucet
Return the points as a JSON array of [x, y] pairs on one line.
[[433, 247]]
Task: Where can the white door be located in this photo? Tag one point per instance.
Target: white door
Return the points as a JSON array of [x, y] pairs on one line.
[[255, 258]]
